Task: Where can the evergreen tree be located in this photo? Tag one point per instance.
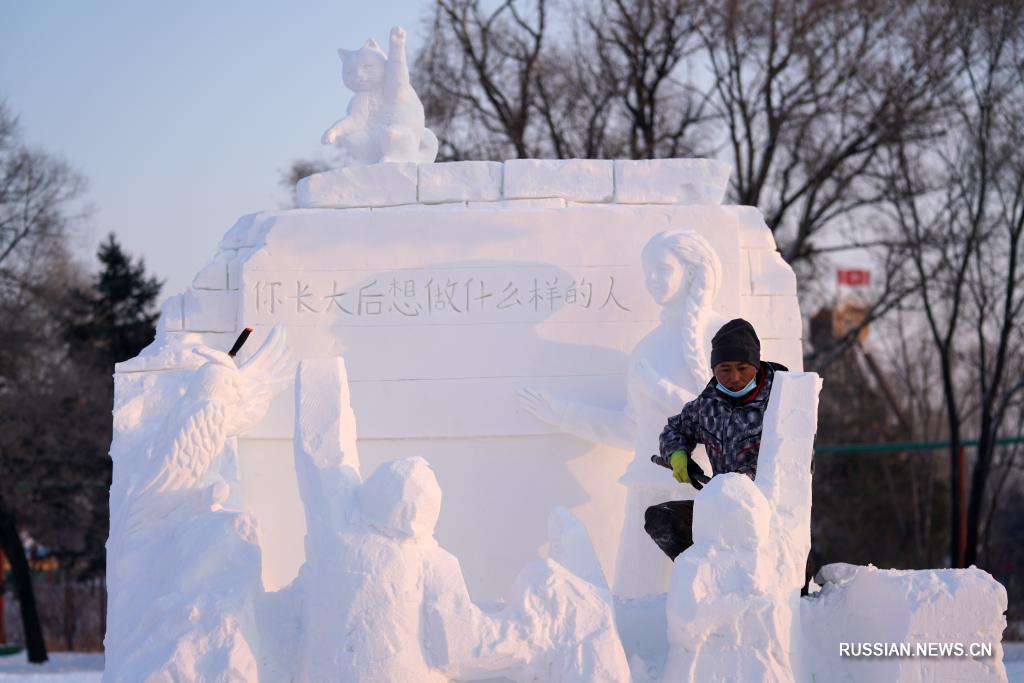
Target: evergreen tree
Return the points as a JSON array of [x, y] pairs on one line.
[[116, 318]]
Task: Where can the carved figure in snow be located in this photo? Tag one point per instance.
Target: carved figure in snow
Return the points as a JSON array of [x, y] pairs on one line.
[[727, 617], [178, 476], [384, 120], [391, 604], [666, 369], [169, 530]]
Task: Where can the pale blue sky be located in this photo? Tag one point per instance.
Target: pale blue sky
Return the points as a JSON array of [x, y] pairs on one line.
[[182, 114]]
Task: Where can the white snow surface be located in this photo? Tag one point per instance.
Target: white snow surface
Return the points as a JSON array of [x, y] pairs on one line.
[[62, 667], [78, 667], [866, 604]]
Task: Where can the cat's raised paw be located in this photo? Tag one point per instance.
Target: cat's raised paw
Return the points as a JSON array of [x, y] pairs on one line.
[[397, 34]]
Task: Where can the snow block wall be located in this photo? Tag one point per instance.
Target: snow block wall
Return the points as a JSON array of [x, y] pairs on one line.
[[449, 287]]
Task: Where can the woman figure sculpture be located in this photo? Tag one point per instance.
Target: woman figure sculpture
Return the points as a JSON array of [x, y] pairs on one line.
[[666, 369]]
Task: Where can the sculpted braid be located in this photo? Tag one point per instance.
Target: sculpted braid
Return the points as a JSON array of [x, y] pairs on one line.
[[703, 278]]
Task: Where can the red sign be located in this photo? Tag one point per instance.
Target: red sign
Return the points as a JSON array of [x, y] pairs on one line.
[[854, 277]]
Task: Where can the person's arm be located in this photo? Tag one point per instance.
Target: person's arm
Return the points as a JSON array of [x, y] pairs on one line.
[[680, 433]]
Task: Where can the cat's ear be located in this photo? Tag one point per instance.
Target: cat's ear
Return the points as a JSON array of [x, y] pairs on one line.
[[345, 54], [372, 46]]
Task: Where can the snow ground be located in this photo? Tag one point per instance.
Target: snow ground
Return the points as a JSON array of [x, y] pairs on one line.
[[1013, 658], [63, 667], [78, 667]]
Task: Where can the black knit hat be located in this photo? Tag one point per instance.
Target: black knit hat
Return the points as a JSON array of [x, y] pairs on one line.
[[736, 341]]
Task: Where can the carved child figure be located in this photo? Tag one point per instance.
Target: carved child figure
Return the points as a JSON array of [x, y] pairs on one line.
[[384, 120]]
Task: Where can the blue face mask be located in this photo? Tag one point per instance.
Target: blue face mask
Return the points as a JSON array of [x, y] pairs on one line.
[[742, 392]]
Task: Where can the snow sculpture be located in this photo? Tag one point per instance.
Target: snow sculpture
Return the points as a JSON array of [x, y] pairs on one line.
[[184, 572], [934, 609], [733, 605], [666, 369], [464, 282], [384, 121], [388, 603], [380, 581], [380, 287], [568, 627], [391, 604], [784, 465], [723, 614], [325, 451]]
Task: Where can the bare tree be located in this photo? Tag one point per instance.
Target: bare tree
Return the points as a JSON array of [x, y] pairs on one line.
[[884, 507], [37, 196], [960, 208], [36, 191], [519, 79], [810, 92], [478, 76], [646, 52]]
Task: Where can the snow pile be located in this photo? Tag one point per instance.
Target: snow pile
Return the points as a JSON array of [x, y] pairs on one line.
[[733, 602], [866, 606]]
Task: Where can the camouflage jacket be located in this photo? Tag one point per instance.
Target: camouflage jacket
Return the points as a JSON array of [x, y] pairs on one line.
[[730, 428]]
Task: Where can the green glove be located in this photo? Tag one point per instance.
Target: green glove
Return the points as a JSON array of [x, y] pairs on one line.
[[678, 461]]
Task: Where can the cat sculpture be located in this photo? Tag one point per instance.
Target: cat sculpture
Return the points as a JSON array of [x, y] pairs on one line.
[[384, 121]]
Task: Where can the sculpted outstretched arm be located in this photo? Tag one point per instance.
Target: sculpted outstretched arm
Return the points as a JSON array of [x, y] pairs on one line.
[[600, 425]]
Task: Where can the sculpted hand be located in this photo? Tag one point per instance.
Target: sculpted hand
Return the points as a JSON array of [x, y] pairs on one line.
[[543, 405]]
